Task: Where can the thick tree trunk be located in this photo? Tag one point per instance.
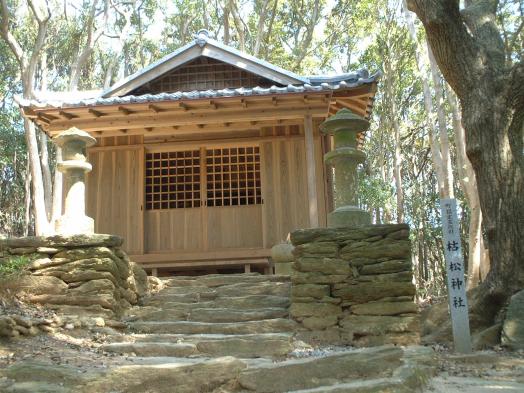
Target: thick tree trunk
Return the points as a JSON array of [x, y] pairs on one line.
[[469, 52]]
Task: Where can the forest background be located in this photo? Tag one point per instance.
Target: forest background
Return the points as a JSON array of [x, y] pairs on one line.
[[415, 147]]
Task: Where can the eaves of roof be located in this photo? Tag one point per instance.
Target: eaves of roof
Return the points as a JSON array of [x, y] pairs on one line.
[[327, 84]]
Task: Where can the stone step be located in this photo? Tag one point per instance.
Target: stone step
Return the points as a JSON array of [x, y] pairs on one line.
[[251, 327], [235, 303], [165, 349], [310, 373], [207, 314], [264, 288], [159, 375], [243, 346], [228, 315], [216, 280], [159, 299], [383, 385]]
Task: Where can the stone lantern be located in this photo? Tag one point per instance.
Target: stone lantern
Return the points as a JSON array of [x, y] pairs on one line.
[[345, 157], [74, 166]]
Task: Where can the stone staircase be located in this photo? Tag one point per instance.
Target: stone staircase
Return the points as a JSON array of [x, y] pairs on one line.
[[240, 323], [244, 316], [225, 334]]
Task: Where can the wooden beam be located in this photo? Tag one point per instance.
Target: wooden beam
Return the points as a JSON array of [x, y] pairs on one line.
[[210, 256], [95, 113], [67, 115], [125, 111], [194, 129], [156, 108], [196, 264], [311, 160], [182, 119], [184, 143]]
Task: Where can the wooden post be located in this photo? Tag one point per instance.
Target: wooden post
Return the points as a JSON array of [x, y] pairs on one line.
[[458, 301], [311, 172]]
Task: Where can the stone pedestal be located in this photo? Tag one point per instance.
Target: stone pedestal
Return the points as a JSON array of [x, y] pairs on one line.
[[74, 166], [345, 157]]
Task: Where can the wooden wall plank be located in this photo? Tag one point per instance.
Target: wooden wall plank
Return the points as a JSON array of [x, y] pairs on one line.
[[311, 171]]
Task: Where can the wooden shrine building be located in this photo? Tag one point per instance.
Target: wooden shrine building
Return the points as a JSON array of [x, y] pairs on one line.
[[208, 157]]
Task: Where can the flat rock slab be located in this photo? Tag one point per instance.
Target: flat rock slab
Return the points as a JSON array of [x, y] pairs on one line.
[[264, 288], [152, 349], [203, 376], [228, 315], [242, 346], [251, 327], [453, 384], [513, 326], [316, 372]]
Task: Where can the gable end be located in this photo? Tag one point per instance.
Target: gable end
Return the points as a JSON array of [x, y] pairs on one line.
[[203, 73]]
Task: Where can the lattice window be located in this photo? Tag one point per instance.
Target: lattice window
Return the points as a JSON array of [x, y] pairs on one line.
[[233, 176], [173, 180], [202, 74]]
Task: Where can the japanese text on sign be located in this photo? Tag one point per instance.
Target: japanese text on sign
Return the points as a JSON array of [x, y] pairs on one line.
[[458, 302]]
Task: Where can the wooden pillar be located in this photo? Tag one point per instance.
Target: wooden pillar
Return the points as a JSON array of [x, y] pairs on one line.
[[311, 171]]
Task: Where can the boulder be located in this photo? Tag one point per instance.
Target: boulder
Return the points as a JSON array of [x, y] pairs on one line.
[[322, 265], [7, 326], [390, 248], [384, 308], [310, 290], [314, 310], [513, 327], [327, 249], [35, 285], [316, 278], [22, 250], [282, 253], [393, 266], [85, 253], [59, 241], [94, 287], [376, 325], [307, 299], [320, 323], [400, 276], [487, 338], [369, 291]]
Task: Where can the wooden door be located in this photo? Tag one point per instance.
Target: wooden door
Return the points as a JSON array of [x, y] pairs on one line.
[[203, 199], [233, 197]]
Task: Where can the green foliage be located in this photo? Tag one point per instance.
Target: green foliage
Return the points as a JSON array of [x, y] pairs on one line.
[[13, 264]]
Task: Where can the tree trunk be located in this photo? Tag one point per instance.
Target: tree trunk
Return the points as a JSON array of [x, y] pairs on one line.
[[445, 161], [436, 153], [46, 172], [478, 263], [42, 226], [27, 215], [468, 49]]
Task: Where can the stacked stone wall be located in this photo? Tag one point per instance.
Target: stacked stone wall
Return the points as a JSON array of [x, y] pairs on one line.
[[83, 274], [354, 285]]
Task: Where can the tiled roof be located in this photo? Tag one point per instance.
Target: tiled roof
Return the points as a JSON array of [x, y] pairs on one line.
[[317, 84]]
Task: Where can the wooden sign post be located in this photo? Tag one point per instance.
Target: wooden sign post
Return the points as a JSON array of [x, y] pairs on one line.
[[458, 302]]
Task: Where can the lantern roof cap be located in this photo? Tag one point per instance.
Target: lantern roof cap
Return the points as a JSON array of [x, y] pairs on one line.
[[344, 120]]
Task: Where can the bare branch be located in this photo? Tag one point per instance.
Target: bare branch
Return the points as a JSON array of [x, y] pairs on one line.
[[42, 17], [9, 37], [456, 51]]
